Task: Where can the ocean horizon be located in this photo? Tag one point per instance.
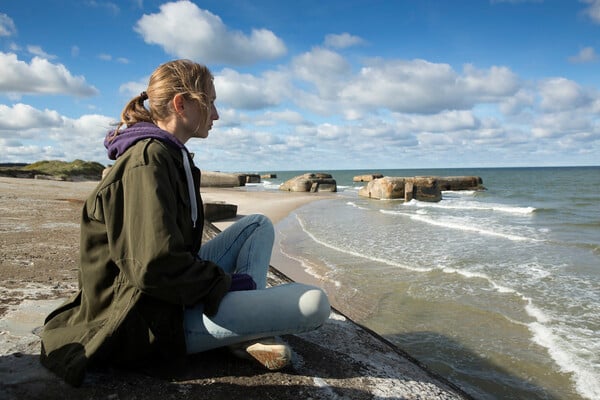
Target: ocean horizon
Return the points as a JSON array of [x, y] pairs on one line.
[[496, 290]]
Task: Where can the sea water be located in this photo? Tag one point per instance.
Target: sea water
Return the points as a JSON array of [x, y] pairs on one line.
[[496, 290]]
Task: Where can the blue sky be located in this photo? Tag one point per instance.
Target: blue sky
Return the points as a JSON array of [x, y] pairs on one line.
[[314, 85]]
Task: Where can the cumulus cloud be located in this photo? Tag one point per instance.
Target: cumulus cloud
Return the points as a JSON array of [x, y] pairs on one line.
[[187, 31], [419, 86], [524, 98], [323, 68], [445, 121], [560, 94], [40, 77], [7, 26], [31, 134], [273, 118], [22, 117], [556, 125], [343, 40], [250, 92], [131, 89], [585, 55]]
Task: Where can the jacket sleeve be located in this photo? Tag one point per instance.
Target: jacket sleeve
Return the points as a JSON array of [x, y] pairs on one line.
[[150, 240]]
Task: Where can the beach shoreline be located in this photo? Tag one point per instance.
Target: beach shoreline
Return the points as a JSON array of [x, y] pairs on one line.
[[39, 233]]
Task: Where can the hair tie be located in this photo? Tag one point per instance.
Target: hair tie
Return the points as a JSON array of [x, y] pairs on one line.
[[143, 96]]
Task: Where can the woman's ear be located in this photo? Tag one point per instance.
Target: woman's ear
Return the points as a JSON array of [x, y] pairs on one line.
[[178, 104]]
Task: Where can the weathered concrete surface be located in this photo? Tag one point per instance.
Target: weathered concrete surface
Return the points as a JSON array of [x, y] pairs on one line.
[[310, 182], [251, 178], [460, 183], [219, 210], [384, 188], [366, 178], [418, 188], [426, 189], [422, 188], [221, 179]]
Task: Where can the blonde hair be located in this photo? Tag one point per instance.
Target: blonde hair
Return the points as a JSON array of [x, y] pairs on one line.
[[185, 77]]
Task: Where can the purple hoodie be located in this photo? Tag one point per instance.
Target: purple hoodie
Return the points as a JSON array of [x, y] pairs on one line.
[[117, 145], [131, 135]]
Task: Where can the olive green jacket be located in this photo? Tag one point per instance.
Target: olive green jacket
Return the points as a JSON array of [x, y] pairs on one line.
[[138, 267]]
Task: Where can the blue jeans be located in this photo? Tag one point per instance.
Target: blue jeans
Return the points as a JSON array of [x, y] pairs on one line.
[[245, 247]]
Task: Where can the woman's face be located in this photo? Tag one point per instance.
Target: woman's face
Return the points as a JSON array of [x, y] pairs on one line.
[[203, 121]]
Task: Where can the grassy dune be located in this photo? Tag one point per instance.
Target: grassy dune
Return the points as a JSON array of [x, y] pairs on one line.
[[61, 170]]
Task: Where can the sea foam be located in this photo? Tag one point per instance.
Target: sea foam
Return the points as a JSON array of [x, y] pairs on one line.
[[470, 206], [459, 225], [357, 254]]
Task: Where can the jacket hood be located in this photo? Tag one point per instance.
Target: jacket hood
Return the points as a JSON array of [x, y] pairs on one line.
[[117, 145]]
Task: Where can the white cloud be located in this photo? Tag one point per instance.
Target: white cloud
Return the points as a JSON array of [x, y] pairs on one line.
[[419, 86], [7, 26], [22, 117], [184, 30], [523, 99], [273, 118], [585, 55], [445, 121], [318, 77], [30, 134], [560, 124], [131, 89], [39, 52], [247, 91], [560, 94], [343, 40], [593, 10], [40, 77], [323, 68], [488, 85], [329, 131]]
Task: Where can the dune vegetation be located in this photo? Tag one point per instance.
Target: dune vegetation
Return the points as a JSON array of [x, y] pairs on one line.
[[55, 169]]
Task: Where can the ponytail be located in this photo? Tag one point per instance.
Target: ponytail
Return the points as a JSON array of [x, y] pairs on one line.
[[134, 112]]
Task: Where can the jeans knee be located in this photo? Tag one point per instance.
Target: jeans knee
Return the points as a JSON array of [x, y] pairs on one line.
[[264, 223], [315, 307], [264, 220]]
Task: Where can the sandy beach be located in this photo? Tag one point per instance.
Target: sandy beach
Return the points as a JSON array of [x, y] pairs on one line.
[[39, 237], [275, 205]]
